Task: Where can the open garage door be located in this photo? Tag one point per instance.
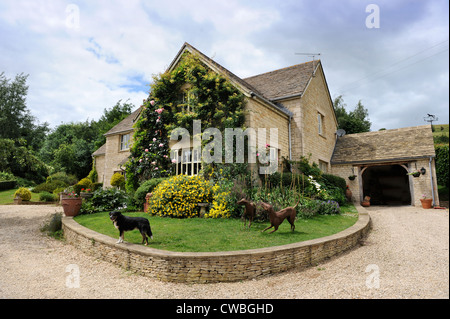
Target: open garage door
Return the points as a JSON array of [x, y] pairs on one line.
[[386, 185]]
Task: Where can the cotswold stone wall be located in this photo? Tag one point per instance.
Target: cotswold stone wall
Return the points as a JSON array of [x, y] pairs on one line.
[[217, 266]]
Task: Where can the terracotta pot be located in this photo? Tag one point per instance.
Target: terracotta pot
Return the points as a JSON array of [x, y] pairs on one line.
[[426, 203], [365, 204], [348, 194], [71, 206], [147, 198]]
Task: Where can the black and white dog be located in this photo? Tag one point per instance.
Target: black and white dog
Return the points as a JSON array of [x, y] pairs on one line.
[[125, 223]]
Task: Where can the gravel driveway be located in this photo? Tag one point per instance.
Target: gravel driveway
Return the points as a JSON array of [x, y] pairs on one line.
[[405, 256]]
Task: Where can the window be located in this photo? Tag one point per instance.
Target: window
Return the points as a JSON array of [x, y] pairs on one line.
[[323, 166], [185, 97], [188, 161], [273, 155], [125, 142], [320, 118]]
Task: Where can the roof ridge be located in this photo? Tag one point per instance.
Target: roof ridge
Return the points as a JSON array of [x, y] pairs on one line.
[[392, 130], [281, 69]]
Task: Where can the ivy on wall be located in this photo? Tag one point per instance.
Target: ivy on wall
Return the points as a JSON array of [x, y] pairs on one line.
[[189, 92]]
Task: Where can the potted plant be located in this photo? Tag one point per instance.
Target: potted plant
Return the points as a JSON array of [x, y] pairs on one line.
[[414, 173], [366, 201], [86, 193], [71, 202], [348, 194], [426, 202]]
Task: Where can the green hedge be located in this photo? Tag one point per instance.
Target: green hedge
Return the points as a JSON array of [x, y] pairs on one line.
[[5, 185], [442, 162]]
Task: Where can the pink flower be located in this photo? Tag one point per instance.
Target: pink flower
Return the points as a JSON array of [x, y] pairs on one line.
[[140, 161], [157, 121], [156, 168], [161, 145], [267, 145], [153, 163], [146, 149], [165, 156], [159, 111], [152, 102], [154, 139], [257, 154], [174, 161]]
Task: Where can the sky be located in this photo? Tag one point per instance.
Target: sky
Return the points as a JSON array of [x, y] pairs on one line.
[[85, 56]]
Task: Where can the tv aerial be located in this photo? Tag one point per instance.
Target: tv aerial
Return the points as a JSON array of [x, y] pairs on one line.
[[430, 118], [313, 55], [340, 132]]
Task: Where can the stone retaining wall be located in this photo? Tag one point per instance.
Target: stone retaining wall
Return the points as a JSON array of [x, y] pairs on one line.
[[216, 266]]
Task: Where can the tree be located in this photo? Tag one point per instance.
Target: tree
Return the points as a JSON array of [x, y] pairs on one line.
[[352, 122], [110, 118], [69, 147], [16, 122], [18, 161]]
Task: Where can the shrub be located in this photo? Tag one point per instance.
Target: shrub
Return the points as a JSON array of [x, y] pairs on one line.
[[96, 186], [442, 162], [118, 180], [4, 185], [47, 197], [328, 208], [221, 204], [308, 209], [334, 181], [178, 196], [49, 186], [109, 199], [146, 187], [23, 193], [63, 177], [53, 227], [85, 183]]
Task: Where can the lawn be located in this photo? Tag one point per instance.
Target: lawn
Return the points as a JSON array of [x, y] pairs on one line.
[[7, 197], [208, 235]]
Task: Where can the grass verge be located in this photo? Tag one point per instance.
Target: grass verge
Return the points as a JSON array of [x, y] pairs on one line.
[[7, 197]]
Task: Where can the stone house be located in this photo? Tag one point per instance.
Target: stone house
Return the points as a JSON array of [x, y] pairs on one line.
[[296, 101]]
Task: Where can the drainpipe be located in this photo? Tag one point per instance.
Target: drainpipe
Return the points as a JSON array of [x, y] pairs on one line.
[[431, 181], [290, 142]]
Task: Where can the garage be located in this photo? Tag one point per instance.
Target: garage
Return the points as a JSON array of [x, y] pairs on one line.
[[386, 185], [381, 165]]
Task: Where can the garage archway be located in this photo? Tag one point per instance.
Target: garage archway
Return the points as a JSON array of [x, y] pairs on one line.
[[386, 185]]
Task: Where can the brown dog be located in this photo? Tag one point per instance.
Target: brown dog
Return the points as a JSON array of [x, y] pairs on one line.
[[249, 212], [276, 218]]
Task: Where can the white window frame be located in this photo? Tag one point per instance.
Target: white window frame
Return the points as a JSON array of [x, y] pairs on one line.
[[273, 154], [125, 142], [320, 118], [188, 161]]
